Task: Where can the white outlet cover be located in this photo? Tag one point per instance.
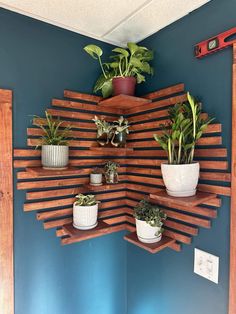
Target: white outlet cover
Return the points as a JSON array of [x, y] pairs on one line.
[[206, 265]]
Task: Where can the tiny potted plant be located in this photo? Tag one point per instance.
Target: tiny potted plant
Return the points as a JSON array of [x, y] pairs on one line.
[[179, 138], [96, 177], [85, 212], [111, 173], [121, 130], [104, 131], [149, 221], [55, 150], [127, 68]]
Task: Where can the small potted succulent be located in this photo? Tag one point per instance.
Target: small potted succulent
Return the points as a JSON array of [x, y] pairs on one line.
[[127, 68], [121, 130], [179, 138], [85, 212], [96, 177], [149, 221], [104, 131], [55, 150], [111, 173]]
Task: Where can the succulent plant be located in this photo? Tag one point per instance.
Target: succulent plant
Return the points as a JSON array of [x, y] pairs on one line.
[[86, 200]]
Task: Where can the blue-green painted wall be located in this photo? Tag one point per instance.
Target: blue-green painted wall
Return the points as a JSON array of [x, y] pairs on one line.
[[38, 61], [165, 283]]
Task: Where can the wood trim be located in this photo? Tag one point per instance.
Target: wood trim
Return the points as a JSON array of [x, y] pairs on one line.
[[6, 205], [232, 279]]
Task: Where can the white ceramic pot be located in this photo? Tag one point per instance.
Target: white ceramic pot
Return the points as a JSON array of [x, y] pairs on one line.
[[55, 156], [147, 233], [96, 178], [85, 217], [181, 180]]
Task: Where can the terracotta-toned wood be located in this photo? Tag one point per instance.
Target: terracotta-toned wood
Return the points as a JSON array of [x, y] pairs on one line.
[[150, 247], [123, 102], [71, 143], [181, 227], [220, 190], [111, 149], [56, 223], [41, 172], [65, 123], [6, 205], [178, 236], [165, 91], [189, 219], [72, 114], [157, 104], [85, 106], [195, 200], [232, 277], [75, 134], [91, 234], [82, 96]]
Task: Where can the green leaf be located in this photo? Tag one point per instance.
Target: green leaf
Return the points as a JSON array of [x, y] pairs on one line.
[[124, 52], [132, 47], [94, 51], [107, 89]]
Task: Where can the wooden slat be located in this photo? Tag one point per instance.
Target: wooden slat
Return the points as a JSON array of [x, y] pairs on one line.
[[178, 236], [220, 190], [74, 134], [65, 123], [165, 91], [81, 96], [85, 106], [181, 227], [189, 219], [6, 205], [72, 143], [124, 102], [232, 278]]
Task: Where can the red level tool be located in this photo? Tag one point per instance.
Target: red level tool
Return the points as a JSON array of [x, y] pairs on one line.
[[215, 43]]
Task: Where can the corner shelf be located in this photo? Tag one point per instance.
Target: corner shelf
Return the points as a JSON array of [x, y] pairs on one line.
[[124, 102], [104, 187], [199, 198], [40, 172], [150, 247], [110, 149]]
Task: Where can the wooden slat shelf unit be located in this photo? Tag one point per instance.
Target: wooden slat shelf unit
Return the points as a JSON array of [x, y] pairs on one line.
[[140, 175]]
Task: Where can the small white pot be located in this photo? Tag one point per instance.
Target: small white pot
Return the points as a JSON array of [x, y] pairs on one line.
[[95, 178], [55, 156], [181, 180], [147, 233], [85, 217]]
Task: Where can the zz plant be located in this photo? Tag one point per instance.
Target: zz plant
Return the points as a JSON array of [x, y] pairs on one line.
[[150, 213], [133, 61], [86, 200], [180, 135]]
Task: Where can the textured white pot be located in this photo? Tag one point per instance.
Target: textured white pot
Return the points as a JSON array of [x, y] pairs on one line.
[[85, 217], [55, 156], [181, 180], [147, 233], [95, 178]]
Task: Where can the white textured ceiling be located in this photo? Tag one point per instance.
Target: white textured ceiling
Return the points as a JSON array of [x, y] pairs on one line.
[[112, 21]]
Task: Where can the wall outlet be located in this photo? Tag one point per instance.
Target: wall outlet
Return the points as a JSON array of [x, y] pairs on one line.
[[206, 265]]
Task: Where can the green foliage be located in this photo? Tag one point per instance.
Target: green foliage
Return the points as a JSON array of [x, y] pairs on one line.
[[132, 61], [96, 170], [53, 133], [103, 127], [86, 200], [150, 213], [121, 125], [111, 167], [180, 135]]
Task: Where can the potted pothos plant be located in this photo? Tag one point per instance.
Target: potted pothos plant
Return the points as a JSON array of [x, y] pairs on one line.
[[96, 177], [179, 137], [85, 212], [111, 172], [126, 68], [149, 221], [54, 142], [121, 130]]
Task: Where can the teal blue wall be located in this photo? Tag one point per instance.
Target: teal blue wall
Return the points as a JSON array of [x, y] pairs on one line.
[[38, 61], [165, 283]]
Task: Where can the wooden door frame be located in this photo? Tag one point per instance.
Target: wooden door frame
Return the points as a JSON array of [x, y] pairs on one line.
[[6, 205]]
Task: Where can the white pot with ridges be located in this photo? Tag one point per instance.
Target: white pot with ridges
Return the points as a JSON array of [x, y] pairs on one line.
[[55, 156], [149, 221], [181, 180], [85, 212]]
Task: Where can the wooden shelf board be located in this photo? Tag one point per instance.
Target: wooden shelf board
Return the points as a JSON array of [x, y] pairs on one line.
[[124, 102], [81, 235], [105, 187], [150, 247], [195, 200], [41, 172], [111, 149]]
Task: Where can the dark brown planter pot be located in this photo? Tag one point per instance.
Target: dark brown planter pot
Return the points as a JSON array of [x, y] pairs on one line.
[[124, 85]]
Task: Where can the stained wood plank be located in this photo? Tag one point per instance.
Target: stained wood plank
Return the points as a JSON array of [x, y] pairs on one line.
[[40, 172], [165, 91], [81, 96], [150, 247], [6, 205], [123, 102]]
